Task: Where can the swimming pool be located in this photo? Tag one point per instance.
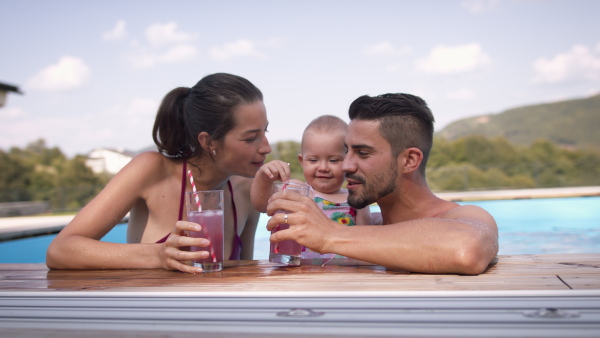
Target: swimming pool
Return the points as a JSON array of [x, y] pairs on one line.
[[531, 226]]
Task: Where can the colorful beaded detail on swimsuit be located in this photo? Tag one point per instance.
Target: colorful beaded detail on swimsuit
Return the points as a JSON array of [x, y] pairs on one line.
[[342, 213]]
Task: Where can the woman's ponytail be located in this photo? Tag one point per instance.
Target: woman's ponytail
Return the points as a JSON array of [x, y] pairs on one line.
[[169, 132]]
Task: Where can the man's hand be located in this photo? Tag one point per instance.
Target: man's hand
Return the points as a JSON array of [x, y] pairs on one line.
[[309, 226]]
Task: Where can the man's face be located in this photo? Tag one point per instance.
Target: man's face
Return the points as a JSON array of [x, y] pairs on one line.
[[370, 170]]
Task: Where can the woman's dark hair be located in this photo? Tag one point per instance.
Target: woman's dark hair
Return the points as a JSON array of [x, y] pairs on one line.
[[206, 107], [405, 121]]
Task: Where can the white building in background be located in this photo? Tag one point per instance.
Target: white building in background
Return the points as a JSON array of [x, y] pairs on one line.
[[104, 160]]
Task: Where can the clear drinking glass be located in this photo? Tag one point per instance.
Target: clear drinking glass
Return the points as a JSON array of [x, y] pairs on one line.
[[206, 209], [286, 252]]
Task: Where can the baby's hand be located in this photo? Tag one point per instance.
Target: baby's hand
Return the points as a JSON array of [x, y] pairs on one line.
[[274, 171]]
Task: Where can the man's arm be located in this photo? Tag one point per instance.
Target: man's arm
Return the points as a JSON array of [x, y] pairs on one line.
[[463, 240]]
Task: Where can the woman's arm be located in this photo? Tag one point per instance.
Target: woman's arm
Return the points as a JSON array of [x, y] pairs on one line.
[[78, 245]]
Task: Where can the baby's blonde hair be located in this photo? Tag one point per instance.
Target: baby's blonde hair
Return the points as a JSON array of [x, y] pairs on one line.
[[325, 124]]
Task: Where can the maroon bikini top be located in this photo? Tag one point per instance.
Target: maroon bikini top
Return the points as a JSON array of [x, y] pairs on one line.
[[237, 240]]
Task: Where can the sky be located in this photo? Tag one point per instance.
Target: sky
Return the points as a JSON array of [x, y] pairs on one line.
[[93, 73]]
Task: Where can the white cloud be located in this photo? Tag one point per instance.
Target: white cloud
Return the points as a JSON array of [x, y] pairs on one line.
[[178, 54], [12, 113], [580, 63], [240, 48], [166, 45], [392, 68], [479, 6], [143, 57], [117, 33], [141, 107], [49, 128], [276, 43], [456, 59], [385, 48], [137, 107], [592, 92], [163, 34], [462, 94], [68, 73]]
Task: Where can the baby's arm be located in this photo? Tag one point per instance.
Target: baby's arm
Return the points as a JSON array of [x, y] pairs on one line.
[[262, 185], [365, 217]]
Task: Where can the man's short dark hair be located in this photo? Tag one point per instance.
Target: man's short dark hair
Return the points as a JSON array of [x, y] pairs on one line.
[[405, 121]]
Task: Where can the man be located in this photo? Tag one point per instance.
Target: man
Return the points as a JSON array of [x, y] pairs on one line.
[[389, 139]]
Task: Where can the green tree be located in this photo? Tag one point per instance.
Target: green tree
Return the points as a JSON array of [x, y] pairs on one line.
[[15, 178]]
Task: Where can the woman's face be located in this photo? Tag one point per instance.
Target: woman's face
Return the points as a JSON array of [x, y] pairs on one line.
[[245, 147]]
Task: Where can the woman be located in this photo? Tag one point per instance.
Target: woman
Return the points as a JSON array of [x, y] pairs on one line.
[[217, 130]]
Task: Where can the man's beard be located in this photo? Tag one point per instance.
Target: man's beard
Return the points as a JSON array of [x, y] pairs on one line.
[[380, 186]]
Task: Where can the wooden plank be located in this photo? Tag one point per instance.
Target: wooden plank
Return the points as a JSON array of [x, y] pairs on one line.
[[543, 269], [22, 267], [523, 272], [572, 258], [157, 280], [582, 282]]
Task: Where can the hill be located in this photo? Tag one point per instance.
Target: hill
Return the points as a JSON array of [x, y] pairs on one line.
[[572, 123]]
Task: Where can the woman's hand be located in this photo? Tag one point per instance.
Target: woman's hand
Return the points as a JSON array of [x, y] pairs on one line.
[[176, 255]]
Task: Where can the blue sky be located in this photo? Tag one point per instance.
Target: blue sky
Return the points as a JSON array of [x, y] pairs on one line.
[[93, 72]]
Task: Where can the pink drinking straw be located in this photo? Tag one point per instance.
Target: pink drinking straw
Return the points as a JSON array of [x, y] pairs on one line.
[[210, 247]]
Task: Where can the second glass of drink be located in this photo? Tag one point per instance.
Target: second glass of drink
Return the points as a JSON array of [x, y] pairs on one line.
[[286, 252]]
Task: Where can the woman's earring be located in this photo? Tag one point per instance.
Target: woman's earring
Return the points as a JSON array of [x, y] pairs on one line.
[[214, 152]]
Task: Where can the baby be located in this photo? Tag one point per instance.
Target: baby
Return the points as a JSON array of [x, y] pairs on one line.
[[322, 153]]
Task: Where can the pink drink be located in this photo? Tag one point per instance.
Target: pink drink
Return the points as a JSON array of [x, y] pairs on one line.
[[287, 252], [212, 229], [288, 247]]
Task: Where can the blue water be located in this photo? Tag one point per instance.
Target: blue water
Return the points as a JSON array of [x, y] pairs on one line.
[[535, 226]]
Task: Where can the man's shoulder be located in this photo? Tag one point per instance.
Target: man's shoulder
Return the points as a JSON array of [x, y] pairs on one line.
[[467, 211]]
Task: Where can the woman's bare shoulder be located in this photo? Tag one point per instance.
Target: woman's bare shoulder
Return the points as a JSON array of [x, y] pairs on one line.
[[150, 166]]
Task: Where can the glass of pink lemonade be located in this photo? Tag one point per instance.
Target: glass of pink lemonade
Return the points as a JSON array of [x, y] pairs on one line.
[[206, 209], [287, 252]]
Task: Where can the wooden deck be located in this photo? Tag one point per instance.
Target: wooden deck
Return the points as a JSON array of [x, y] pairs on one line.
[[523, 272], [525, 295]]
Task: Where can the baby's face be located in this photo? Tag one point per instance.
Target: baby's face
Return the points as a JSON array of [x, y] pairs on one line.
[[321, 160]]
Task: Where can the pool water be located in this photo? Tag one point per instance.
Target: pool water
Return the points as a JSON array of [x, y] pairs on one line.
[[532, 226]]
